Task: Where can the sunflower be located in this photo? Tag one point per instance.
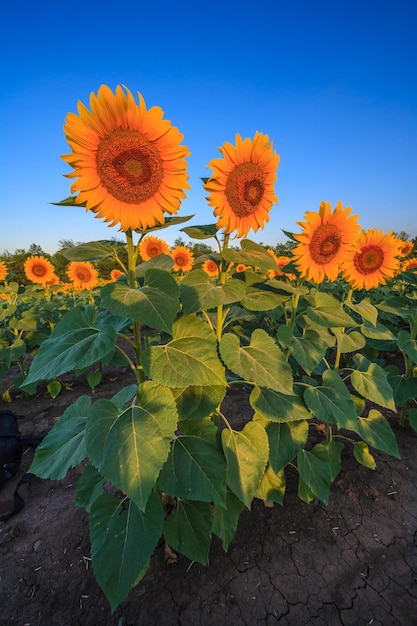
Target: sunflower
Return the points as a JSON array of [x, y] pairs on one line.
[[242, 185], [373, 261], [115, 274], [183, 259], [409, 266], [241, 267], [211, 268], [151, 246], [128, 160], [39, 270], [82, 274], [326, 238], [3, 270], [405, 247]]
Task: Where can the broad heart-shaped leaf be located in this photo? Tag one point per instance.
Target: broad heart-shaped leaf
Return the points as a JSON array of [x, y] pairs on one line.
[[403, 388], [155, 304], [91, 251], [123, 539], [74, 343], [168, 221], [225, 519], [278, 407], [407, 345], [371, 381], [362, 454], [197, 401], [247, 455], [188, 529], [198, 293], [252, 254], [272, 487], [376, 431], [316, 472], [130, 447], [349, 341], [196, 470], [262, 362], [189, 359], [64, 445], [331, 402], [200, 232], [377, 331], [308, 350], [260, 297], [285, 442], [90, 487], [326, 310], [365, 309]]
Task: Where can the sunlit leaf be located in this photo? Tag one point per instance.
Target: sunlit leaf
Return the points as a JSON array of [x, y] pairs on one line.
[[199, 293], [377, 432], [371, 381], [326, 310], [272, 487], [331, 402], [362, 454], [278, 407]]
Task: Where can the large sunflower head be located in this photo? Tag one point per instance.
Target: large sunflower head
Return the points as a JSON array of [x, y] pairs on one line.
[[82, 274], [326, 238], [373, 261], [39, 270], [128, 160], [241, 187], [183, 259], [3, 270], [152, 246]]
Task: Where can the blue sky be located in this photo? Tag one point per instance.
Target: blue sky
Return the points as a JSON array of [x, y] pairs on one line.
[[333, 84]]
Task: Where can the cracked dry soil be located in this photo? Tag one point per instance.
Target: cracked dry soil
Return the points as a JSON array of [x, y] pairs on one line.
[[352, 562]]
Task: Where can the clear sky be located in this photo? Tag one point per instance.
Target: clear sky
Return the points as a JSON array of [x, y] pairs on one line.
[[333, 84]]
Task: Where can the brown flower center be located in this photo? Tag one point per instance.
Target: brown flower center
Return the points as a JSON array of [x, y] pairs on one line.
[[129, 166], [39, 270], [83, 275], [369, 260], [245, 188], [325, 244]]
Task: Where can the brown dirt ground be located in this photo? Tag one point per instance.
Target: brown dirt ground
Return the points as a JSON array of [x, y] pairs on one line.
[[352, 562]]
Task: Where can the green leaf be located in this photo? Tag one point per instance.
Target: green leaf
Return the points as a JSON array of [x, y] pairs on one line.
[[252, 254], [155, 304], [371, 381], [226, 518], [308, 350], [188, 529], [376, 431], [123, 539], [203, 428], [285, 442], [90, 487], [259, 297], [130, 448], [94, 378], [92, 251], [247, 455], [189, 359], [54, 388], [64, 445], [272, 487], [403, 388], [197, 401], [349, 341], [331, 402], [377, 331], [407, 345], [196, 470], [330, 452], [316, 473], [74, 343], [365, 309], [262, 362], [198, 293], [200, 232], [168, 221], [362, 454], [70, 201], [412, 418], [278, 407], [398, 305], [327, 310]]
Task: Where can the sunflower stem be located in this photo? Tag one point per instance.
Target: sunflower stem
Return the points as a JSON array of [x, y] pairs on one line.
[[222, 279], [132, 254]]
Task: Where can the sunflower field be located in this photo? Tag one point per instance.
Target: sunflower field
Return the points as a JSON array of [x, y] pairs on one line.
[[324, 339]]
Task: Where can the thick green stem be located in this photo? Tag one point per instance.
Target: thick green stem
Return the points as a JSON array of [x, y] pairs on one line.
[[132, 254], [222, 280]]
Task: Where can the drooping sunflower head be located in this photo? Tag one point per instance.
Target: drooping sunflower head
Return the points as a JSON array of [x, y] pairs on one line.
[[373, 261], [183, 259], [128, 160], [82, 274], [410, 265], [241, 188], [211, 268], [326, 238], [39, 270], [3, 270], [152, 246], [115, 274]]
